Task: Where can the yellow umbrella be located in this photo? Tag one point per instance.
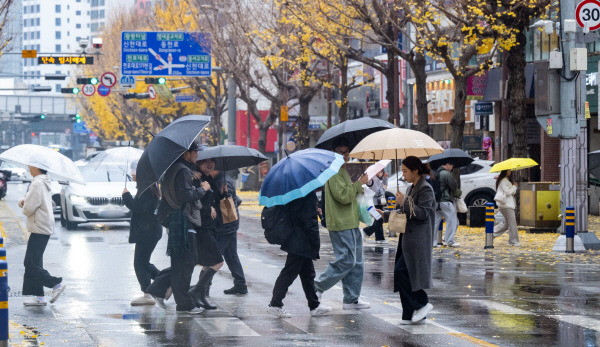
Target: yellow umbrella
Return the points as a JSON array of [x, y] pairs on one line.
[[514, 164], [396, 143]]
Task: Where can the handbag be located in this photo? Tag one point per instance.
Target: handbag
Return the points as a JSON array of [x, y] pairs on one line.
[[228, 211], [500, 197], [461, 206], [397, 220]]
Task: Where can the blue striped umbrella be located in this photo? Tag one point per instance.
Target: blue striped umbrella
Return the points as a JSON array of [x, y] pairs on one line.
[[297, 175]]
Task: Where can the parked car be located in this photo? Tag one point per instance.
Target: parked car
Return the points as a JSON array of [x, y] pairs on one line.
[[478, 185], [99, 200], [18, 173]]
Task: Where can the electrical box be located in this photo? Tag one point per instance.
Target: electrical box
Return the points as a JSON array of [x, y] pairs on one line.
[[570, 26], [578, 59], [547, 89], [555, 61]]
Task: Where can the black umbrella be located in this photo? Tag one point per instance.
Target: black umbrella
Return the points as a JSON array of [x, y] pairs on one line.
[[352, 130], [166, 147], [229, 157], [594, 163], [456, 156]]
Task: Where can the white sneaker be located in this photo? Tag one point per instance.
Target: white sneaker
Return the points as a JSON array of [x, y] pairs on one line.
[[56, 291], [321, 310], [358, 305], [146, 299], [381, 242], [195, 310], [35, 301], [421, 313], [279, 312], [160, 302], [319, 295], [168, 293], [409, 322], [455, 244]]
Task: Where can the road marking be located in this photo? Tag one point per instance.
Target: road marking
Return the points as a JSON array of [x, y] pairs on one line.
[[225, 327], [472, 340], [492, 305]]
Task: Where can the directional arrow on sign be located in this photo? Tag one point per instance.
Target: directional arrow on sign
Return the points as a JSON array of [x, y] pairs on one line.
[[151, 92], [108, 79]]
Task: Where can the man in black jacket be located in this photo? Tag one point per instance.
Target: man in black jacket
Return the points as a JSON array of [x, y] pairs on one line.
[[145, 231], [302, 247]]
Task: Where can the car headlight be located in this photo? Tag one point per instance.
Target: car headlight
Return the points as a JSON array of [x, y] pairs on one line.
[[77, 199]]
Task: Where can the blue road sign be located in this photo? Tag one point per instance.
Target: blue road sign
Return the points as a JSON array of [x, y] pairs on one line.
[[80, 128], [186, 98], [484, 108], [165, 53], [103, 90]]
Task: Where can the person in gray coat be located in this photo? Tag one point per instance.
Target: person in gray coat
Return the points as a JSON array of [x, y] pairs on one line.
[[412, 271]]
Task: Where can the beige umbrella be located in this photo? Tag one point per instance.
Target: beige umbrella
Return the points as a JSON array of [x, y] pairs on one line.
[[396, 143]]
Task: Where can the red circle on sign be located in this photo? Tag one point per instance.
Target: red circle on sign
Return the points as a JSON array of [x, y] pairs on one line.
[[110, 77], [88, 89], [151, 92], [578, 13]]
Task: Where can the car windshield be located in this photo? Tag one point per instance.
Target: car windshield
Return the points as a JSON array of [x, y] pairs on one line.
[[103, 174]]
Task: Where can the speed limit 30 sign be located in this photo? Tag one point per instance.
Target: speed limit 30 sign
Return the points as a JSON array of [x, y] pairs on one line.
[[88, 89], [588, 11]]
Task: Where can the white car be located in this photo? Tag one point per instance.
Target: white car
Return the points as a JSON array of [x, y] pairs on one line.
[[478, 185], [99, 200], [18, 173]]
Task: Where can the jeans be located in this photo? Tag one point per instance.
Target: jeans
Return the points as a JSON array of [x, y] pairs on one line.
[[36, 277], [509, 223], [228, 246], [411, 301], [448, 211], [296, 265], [144, 270], [347, 267], [376, 228]]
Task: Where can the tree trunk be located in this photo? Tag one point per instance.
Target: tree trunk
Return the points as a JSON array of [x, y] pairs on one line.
[[343, 115], [418, 67], [303, 139], [516, 100], [458, 120]]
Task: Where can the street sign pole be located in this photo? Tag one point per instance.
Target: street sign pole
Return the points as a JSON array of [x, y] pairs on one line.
[[231, 104]]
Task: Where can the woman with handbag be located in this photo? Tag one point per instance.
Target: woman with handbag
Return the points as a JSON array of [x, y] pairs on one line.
[[377, 185], [506, 188], [412, 271]]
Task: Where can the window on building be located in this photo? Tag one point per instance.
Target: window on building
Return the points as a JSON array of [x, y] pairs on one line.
[[57, 49], [94, 3], [57, 35], [37, 20], [57, 88], [25, 23], [94, 27], [78, 13], [101, 2], [25, 9], [57, 21], [78, 26], [94, 14], [25, 36], [77, 39], [101, 15], [38, 48], [37, 8], [57, 8], [38, 35]]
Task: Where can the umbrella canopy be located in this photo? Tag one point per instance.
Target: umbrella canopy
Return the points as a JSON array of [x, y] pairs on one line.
[[396, 143], [372, 170], [594, 163], [166, 147], [229, 157], [58, 166], [297, 175], [120, 156], [353, 131], [456, 156], [514, 164]]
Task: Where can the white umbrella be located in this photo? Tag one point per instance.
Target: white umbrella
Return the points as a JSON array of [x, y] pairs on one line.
[[372, 170], [57, 165], [120, 156]]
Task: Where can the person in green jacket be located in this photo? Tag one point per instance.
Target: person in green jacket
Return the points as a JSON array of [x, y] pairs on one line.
[[341, 213]]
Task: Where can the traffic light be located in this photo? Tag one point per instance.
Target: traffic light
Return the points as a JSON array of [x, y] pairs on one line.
[[129, 96], [32, 134], [155, 80], [69, 90], [78, 118], [84, 80], [42, 116]]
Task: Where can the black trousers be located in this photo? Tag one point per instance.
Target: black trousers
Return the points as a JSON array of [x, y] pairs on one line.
[[178, 277], [410, 300], [376, 228], [228, 246], [36, 277], [144, 270], [296, 265]]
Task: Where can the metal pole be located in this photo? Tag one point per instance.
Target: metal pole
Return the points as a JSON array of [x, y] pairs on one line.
[[231, 104], [489, 225]]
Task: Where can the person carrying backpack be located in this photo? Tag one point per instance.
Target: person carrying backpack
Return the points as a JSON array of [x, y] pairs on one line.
[[449, 189]]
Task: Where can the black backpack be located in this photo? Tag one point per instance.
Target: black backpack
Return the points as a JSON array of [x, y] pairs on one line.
[[276, 223], [437, 190]]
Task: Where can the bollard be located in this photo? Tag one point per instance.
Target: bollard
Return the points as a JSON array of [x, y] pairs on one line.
[[439, 233], [570, 229], [489, 225], [2, 254], [4, 289], [1, 242]]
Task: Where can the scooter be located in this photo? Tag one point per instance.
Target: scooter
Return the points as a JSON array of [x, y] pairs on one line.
[[4, 176]]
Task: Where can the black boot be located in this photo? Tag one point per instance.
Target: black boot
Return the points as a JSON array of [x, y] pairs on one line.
[[207, 294], [237, 289], [193, 288], [199, 290]]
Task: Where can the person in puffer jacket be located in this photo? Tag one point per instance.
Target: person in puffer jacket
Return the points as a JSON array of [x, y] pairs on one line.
[[506, 188], [37, 206]]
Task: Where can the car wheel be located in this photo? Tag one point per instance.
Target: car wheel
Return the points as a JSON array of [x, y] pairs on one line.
[[70, 225], [63, 221], [480, 199]]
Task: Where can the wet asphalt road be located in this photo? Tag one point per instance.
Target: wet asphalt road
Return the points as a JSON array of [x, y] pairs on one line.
[[484, 298]]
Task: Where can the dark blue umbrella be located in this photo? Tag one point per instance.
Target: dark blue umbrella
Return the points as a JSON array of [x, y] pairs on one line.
[[456, 156], [166, 147], [229, 157], [297, 175], [353, 131]]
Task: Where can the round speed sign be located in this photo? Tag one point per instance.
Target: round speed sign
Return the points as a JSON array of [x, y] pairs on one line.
[[88, 89], [588, 11]]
